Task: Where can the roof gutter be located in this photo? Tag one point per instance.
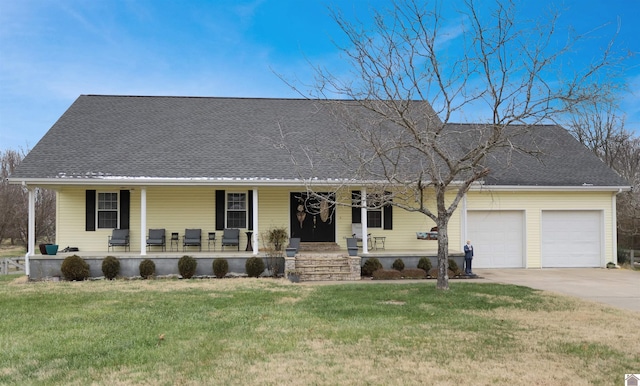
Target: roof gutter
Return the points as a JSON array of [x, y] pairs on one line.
[[550, 188], [202, 181]]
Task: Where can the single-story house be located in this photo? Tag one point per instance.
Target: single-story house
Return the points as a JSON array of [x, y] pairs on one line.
[[140, 163]]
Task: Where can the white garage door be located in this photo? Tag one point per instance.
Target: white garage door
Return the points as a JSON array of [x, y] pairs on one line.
[[497, 238], [571, 238]]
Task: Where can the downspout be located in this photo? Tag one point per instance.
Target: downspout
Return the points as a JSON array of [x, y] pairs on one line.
[[32, 229]]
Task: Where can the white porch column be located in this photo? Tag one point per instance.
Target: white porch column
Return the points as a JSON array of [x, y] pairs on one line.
[[143, 221], [363, 221], [256, 230], [31, 230]]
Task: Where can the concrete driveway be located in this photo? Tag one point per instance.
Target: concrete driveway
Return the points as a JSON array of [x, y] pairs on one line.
[[615, 287]]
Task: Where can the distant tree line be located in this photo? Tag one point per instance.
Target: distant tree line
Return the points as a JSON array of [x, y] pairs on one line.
[[601, 128], [14, 206]]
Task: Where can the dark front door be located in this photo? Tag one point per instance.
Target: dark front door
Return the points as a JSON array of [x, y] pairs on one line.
[[312, 218]]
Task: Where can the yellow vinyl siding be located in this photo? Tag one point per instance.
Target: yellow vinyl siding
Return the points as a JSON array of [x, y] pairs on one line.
[[178, 208], [70, 221], [273, 211], [533, 203]]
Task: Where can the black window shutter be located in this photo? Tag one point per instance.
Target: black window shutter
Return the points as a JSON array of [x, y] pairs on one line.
[[125, 205], [387, 214], [250, 206], [220, 202], [356, 217], [90, 210]]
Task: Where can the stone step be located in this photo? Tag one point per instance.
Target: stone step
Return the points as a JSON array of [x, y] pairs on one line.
[[319, 247]]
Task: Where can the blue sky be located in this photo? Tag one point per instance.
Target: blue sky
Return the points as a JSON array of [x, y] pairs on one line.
[[52, 51]]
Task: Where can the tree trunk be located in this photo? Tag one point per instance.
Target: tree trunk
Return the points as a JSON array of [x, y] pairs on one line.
[[443, 241]]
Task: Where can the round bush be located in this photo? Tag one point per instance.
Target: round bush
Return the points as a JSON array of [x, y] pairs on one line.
[[147, 268], [424, 263], [398, 265], [454, 267], [220, 267], [370, 266], [75, 268], [254, 266], [110, 267], [187, 267]]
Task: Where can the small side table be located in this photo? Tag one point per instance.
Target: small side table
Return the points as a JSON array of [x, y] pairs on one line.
[[249, 234], [378, 239], [175, 239]]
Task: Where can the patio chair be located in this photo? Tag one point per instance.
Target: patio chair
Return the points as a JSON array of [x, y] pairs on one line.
[[231, 237], [356, 233], [119, 238], [211, 240], [192, 238], [156, 238]]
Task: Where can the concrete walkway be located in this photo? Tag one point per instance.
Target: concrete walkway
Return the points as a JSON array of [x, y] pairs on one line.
[[615, 287]]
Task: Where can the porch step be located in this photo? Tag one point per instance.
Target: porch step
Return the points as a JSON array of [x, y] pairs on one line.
[[327, 266], [319, 247]]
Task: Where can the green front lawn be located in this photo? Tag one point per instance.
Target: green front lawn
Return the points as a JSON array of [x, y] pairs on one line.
[[265, 331]]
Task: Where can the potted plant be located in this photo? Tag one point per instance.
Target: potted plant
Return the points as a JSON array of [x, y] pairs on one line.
[[293, 275], [275, 239], [352, 246], [291, 252]]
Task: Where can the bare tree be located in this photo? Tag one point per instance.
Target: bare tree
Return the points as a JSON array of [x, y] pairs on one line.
[[601, 128], [14, 211], [413, 71], [628, 210]]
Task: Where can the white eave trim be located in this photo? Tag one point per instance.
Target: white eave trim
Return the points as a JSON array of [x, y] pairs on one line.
[[546, 188], [148, 181], [201, 181]]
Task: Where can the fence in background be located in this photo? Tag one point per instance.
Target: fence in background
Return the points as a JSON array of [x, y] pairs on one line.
[[11, 265]]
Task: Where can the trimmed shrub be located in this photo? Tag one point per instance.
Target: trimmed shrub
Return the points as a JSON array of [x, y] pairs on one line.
[[398, 265], [433, 272], [147, 268], [220, 267], [254, 266], [370, 266], [387, 274], [187, 267], [414, 273], [424, 263], [75, 268], [110, 267], [454, 267]]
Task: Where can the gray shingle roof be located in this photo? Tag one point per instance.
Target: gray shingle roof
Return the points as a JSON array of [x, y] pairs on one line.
[[234, 138]]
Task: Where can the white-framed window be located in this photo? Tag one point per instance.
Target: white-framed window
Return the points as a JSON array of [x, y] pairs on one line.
[[236, 210], [375, 214], [107, 210]]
